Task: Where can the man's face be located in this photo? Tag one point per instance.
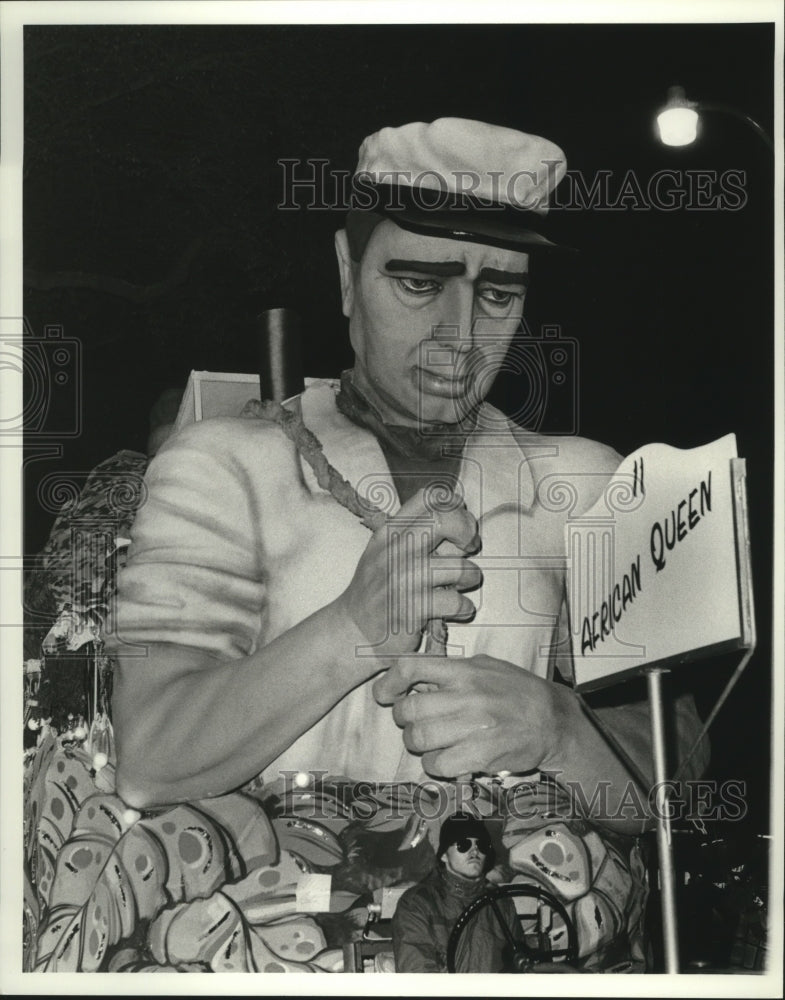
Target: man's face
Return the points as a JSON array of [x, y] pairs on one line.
[[467, 863], [430, 321]]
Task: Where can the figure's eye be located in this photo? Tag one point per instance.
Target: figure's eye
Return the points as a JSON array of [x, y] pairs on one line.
[[419, 286], [499, 297]]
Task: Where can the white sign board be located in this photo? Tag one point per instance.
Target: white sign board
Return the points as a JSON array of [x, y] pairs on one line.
[[657, 569], [217, 394]]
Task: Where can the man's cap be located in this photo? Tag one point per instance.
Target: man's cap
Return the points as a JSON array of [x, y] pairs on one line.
[[461, 825], [461, 179]]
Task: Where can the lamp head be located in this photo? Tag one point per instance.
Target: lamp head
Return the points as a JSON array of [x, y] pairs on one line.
[[677, 122]]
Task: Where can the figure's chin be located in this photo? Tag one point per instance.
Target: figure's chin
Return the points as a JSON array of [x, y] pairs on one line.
[[444, 412], [440, 400], [417, 406]]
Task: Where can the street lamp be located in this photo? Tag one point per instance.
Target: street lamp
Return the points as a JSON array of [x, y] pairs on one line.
[[677, 125], [678, 121]]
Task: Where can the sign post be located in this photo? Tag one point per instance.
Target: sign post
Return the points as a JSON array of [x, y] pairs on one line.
[[659, 576], [664, 841]]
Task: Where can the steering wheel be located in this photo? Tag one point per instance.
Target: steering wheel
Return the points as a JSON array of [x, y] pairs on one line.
[[524, 956]]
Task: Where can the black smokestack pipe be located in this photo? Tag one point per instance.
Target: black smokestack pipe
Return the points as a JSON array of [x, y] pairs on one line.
[[280, 354]]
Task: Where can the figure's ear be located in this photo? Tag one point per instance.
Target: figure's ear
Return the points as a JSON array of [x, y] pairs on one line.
[[346, 271]]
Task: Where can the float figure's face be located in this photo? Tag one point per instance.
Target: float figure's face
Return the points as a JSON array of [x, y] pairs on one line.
[[430, 321]]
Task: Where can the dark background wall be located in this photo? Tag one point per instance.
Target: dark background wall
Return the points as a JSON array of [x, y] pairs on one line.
[[153, 237]]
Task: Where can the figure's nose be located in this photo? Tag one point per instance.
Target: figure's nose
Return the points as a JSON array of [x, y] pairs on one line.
[[454, 324]]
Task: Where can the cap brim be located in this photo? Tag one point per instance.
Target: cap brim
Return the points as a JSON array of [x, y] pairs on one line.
[[473, 230], [467, 220]]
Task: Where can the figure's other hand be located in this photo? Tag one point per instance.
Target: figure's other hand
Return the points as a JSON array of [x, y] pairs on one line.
[[475, 715], [402, 582]]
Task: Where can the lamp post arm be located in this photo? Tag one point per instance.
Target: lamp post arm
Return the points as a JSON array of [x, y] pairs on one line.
[[741, 116]]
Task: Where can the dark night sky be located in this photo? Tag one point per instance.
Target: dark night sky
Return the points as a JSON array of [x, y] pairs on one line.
[[142, 140]]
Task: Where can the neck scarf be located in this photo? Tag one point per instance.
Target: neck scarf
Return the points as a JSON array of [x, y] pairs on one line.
[[441, 442]]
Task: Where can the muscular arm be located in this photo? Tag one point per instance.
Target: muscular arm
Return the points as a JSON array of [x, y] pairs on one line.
[[189, 725], [209, 703]]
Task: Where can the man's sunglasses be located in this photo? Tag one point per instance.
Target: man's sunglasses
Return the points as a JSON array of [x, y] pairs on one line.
[[465, 843]]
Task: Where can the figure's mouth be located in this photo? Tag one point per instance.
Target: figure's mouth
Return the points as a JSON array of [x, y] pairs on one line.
[[443, 383]]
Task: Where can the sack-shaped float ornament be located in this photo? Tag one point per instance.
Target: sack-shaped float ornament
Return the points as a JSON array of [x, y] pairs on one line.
[[118, 868]]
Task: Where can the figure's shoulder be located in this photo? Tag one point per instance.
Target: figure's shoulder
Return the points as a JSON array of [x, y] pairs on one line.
[[240, 446], [315, 404], [226, 440], [220, 431], [226, 456]]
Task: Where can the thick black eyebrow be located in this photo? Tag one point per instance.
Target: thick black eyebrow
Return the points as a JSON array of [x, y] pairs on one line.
[[455, 268], [437, 268], [503, 277]]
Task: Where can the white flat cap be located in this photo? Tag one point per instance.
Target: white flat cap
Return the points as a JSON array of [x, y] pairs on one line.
[[460, 178]]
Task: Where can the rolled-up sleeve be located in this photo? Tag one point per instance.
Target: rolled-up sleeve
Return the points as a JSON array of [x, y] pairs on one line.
[[194, 573]]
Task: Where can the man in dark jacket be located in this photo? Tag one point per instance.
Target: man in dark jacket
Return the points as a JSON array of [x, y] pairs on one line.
[[426, 913]]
